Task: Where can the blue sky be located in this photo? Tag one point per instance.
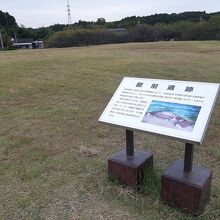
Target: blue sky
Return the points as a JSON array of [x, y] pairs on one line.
[[47, 12]]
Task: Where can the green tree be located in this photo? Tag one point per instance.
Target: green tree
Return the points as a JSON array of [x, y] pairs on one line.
[[214, 21], [166, 32], [101, 21], [199, 31], [143, 33], [7, 26], [7, 21]]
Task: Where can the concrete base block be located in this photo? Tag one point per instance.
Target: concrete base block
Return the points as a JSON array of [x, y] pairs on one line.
[[188, 191], [129, 171]]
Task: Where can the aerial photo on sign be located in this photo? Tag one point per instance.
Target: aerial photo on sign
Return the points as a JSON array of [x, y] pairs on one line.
[[183, 108], [172, 115]]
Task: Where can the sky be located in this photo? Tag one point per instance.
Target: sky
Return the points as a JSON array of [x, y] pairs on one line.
[[41, 13]]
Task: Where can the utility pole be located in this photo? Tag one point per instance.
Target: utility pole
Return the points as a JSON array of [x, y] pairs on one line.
[[69, 14], [1, 40], [16, 41]]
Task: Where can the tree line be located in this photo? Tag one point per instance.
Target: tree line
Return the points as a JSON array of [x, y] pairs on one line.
[[158, 27], [182, 30]]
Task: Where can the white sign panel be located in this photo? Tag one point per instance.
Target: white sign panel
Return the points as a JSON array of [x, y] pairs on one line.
[[177, 109]]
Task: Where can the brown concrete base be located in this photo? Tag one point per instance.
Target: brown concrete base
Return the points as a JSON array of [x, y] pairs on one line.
[[129, 171], [188, 191]]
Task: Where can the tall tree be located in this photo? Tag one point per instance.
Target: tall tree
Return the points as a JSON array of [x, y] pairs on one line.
[[7, 21], [7, 26]]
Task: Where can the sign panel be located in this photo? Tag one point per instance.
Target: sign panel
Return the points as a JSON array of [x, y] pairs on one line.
[[178, 109]]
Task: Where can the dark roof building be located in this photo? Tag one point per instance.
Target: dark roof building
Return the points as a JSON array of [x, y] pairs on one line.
[[25, 40], [28, 43]]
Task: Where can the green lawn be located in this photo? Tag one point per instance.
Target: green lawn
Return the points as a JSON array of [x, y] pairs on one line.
[[53, 151]]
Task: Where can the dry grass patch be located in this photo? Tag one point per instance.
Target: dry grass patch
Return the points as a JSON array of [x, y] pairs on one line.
[[53, 151]]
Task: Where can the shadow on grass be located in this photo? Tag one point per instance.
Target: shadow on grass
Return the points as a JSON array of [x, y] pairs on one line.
[[151, 183]]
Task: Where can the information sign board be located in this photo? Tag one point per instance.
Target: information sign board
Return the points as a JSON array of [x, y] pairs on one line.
[[178, 109]]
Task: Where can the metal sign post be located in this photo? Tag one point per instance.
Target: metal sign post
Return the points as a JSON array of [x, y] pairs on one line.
[[130, 143], [188, 159]]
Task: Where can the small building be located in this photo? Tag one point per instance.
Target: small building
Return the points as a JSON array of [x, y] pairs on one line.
[[38, 44], [28, 43], [24, 43]]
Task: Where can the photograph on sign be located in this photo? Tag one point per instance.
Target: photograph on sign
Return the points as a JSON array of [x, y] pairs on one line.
[[177, 109], [172, 115]]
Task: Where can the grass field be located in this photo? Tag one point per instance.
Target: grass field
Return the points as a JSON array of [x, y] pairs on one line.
[[53, 151]]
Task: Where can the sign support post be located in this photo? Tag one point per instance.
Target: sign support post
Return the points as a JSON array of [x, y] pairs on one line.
[[130, 143], [188, 160]]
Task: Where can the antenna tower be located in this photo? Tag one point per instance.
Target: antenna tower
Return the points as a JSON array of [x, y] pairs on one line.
[[69, 14]]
